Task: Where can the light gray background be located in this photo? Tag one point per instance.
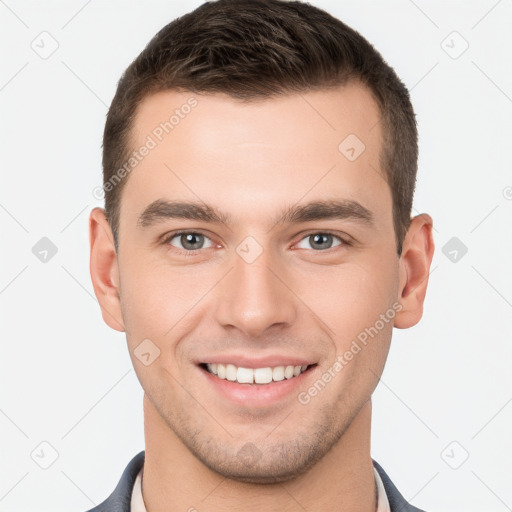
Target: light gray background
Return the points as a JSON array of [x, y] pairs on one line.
[[66, 378]]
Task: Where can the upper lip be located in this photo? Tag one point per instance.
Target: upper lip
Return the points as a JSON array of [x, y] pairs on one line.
[[257, 362]]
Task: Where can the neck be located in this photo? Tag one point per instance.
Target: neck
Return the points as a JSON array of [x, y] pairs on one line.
[[174, 479]]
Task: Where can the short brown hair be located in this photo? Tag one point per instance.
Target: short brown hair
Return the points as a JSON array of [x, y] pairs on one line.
[[257, 49]]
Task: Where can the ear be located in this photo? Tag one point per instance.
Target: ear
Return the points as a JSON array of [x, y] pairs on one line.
[[104, 269], [417, 253]]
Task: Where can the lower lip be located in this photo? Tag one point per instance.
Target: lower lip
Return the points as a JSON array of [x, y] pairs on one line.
[[258, 395]]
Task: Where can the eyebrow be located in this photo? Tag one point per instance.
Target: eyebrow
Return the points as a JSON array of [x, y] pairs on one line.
[[162, 209]]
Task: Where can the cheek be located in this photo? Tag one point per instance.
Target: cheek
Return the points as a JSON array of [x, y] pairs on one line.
[[349, 301], [158, 299], [148, 299], [351, 294], [356, 304], [154, 308]]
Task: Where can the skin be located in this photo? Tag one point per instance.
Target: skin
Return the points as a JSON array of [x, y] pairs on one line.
[[249, 160]]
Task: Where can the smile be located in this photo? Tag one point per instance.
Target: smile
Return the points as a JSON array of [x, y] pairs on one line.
[[264, 375]]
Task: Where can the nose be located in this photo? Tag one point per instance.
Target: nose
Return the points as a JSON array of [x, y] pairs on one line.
[[256, 296]]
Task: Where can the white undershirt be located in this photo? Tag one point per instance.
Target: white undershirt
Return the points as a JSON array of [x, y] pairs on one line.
[[137, 503]]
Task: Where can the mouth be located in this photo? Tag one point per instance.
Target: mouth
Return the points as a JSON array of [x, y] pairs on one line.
[[255, 376]]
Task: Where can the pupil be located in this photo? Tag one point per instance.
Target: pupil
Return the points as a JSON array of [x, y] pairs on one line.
[[319, 237], [189, 240]]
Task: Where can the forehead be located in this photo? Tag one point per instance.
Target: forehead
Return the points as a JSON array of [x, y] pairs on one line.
[[255, 156]]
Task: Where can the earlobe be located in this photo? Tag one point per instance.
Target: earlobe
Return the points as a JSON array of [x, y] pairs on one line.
[[104, 269], [415, 261]]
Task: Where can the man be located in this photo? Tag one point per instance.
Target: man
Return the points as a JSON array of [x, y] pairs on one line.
[[257, 248]]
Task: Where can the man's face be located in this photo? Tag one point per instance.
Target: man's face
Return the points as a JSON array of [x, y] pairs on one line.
[[254, 292]]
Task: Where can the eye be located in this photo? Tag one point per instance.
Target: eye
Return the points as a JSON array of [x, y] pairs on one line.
[[188, 240], [192, 241], [322, 240]]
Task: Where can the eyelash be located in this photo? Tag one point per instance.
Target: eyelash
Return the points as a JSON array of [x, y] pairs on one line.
[[166, 240]]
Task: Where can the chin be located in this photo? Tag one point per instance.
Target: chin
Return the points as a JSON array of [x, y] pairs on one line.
[[249, 465]]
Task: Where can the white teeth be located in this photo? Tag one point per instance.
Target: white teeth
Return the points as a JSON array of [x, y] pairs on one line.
[[278, 373], [231, 372], [258, 375], [212, 367], [263, 375], [245, 375]]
